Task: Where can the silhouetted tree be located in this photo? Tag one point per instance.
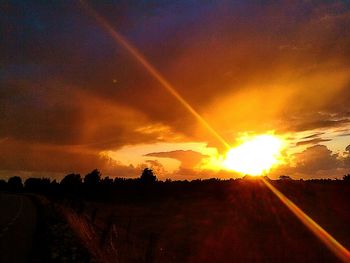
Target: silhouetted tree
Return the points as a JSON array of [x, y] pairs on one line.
[[346, 178], [92, 179], [54, 187], [107, 181], [147, 176], [37, 184], [285, 177], [54, 182], [3, 184], [15, 183], [71, 180]]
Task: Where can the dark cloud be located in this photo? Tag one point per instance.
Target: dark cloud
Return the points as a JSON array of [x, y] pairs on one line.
[[313, 125], [315, 158], [53, 161], [315, 135], [344, 134], [36, 113], [312, 141], [17, 155], [65, 115], [316, 161]]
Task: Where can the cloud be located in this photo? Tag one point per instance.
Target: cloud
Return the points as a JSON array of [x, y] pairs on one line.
[[64, 115], [55, 161], [312, 141], [189, 159], [315, 158], [245, 67], [324, 123], [347, 148], [316, 161], [17, 155], [315, 135]]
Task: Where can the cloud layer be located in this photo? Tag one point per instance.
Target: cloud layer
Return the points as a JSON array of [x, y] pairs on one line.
[[67, 90]]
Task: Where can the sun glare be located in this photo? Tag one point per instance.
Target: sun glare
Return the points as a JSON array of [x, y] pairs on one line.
[[255, 156]]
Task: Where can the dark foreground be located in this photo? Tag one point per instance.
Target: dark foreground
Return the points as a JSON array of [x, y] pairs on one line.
[[18, 223], [201, 221], [243, 222]]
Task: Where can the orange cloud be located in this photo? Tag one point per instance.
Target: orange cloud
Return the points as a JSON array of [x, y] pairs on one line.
[[189, 159]]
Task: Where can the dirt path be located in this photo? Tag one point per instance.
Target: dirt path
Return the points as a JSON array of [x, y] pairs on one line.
[[17, 227]]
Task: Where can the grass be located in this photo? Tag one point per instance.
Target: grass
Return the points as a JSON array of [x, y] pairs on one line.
[[244, 223]]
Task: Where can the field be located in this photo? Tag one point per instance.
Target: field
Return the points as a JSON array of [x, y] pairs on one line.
[[232, 221]]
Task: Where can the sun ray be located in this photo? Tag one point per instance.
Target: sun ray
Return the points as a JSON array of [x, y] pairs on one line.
[[121, 40], [338, 249]]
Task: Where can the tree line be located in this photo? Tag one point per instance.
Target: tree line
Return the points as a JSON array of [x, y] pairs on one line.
[[93, 185]]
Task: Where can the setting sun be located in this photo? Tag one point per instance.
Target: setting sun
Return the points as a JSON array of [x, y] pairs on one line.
[[254, 156]]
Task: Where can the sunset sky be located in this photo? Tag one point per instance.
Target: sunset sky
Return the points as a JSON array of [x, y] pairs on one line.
[[72, 99]]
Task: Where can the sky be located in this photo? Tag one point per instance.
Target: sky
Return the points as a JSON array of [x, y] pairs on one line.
[[72, 99]]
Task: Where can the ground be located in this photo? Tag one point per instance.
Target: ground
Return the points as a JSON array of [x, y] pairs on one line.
[[245, 223], [18, 224]]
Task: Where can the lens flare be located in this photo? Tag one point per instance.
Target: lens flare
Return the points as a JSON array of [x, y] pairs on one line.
[[338, 249], [255, 156], [140, 58]]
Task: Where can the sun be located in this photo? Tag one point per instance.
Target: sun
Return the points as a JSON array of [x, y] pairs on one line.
[[255, 156]]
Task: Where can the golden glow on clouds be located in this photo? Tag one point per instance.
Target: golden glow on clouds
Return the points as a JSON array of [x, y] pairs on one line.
[[136, 154], [290, 100], [255, 156]]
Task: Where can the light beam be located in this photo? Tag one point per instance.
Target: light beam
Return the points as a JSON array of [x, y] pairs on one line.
[[338, 249], [120, 40]]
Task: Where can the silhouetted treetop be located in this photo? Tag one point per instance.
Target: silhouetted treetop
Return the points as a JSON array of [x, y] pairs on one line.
[[3, 184], [15, 183], [147, 176], [93, 178], [285, 177], [107, 181], [37, 184], [71, 180]]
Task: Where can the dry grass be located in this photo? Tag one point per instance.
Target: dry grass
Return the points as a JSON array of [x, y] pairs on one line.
[[246, 224]]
